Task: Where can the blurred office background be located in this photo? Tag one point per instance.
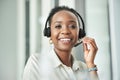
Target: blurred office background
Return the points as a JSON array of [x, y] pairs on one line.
[[21, 33]]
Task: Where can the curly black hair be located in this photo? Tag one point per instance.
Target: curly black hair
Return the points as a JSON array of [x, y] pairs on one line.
[[60, 8]]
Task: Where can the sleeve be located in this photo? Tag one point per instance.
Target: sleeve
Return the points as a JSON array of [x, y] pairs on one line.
[[31, 70]]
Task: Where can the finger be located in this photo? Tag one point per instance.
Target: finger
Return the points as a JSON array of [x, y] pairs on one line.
[[90, 41], [85, 47], [93, 43]]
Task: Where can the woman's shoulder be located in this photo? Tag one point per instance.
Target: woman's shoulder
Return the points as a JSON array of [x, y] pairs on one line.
[[33, 60], [32, 67], [35, 56]]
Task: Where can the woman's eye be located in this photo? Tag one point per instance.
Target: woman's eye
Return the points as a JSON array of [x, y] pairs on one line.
[[72, 26], [58, 26]]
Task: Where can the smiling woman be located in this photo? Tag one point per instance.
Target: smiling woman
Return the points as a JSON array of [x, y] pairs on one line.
[[21, 26], [64, 32]]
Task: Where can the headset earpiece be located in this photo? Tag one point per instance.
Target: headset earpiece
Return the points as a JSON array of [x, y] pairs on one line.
[[47, 32], [81, 33]]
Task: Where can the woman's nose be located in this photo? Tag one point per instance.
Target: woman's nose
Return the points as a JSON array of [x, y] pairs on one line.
[[65, 30]]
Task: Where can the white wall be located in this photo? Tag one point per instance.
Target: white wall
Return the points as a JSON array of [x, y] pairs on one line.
[[11, 40], [8, 44], [114, 12]]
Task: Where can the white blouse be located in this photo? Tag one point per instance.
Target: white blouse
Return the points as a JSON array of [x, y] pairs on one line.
[[47, 66]]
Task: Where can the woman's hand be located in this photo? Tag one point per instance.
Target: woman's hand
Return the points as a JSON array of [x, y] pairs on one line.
[[90, 50]]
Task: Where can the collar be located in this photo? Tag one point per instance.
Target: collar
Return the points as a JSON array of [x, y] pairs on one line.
[[56, 63]]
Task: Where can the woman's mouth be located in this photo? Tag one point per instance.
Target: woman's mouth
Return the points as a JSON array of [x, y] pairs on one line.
[[65, 40]]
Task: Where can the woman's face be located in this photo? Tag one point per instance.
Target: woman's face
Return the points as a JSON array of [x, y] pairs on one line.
[[64, 30]]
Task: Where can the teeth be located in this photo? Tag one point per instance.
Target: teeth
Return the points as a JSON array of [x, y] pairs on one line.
[[65, 39]]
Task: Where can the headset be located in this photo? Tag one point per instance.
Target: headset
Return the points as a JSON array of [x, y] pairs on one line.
[[47, 31]]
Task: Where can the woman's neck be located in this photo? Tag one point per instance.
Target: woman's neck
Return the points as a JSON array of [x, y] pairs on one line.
[[65, 57]]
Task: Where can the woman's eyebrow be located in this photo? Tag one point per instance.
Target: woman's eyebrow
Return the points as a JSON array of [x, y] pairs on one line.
[[73, 21], [57, 22]]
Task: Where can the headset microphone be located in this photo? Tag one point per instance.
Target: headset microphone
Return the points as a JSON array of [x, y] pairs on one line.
[[78, 42]]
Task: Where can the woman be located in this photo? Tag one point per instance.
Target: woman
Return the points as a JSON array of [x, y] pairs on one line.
[[64, 32]]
